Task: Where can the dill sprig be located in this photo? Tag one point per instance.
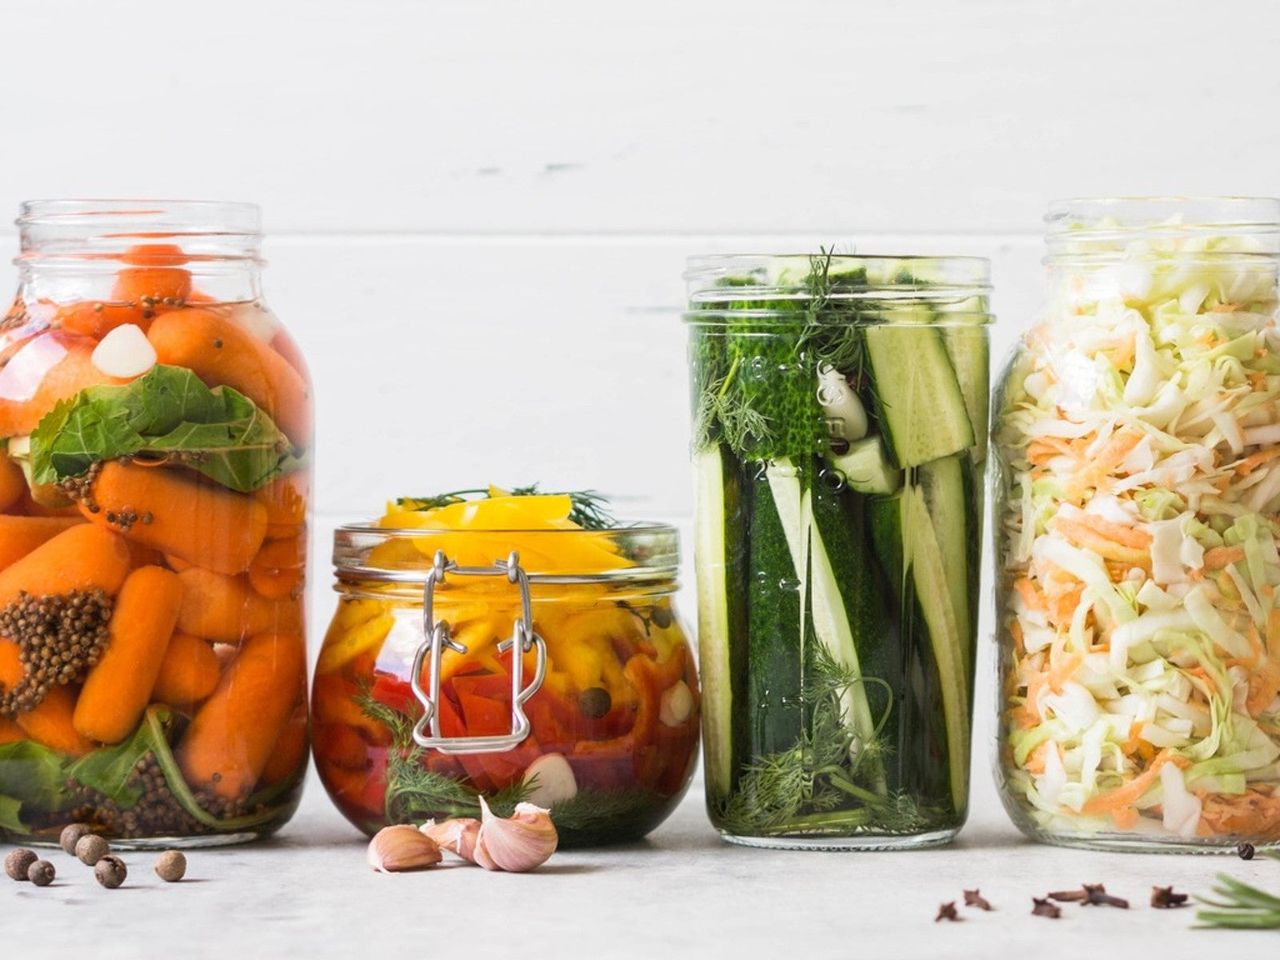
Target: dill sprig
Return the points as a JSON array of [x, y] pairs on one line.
[[590, 509], [1237, 905]]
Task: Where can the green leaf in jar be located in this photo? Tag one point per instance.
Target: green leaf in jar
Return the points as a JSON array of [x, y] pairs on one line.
[[10, 819], [168, 414], [110, 771], [33, 776]]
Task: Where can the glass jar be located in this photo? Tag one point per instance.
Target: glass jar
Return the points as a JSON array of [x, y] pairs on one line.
[[155, 450], [1137, 431], [840, 411], [599, 723]]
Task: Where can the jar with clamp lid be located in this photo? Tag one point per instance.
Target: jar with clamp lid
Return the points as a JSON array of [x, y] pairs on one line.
[[422, 705]]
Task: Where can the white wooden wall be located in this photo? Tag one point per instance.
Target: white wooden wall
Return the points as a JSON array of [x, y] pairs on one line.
[[479, 210]]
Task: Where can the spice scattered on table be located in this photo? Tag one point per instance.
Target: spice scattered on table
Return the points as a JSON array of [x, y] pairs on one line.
[[947, 911], [1041, 907], [974, 898], [71, 835], [91, 848], [110, 871], [1163, 898], [17, 862], [41, 873], [1245, 851], [1090, 894], [171, 866]]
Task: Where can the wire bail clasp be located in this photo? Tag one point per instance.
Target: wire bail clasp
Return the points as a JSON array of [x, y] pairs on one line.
[[438, 639]]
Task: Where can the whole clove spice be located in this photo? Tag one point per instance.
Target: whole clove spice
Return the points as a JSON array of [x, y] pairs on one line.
[[1045, 908], [974, 898], [1096, 896], [1163, 898], [1069, 896], [947, 912]]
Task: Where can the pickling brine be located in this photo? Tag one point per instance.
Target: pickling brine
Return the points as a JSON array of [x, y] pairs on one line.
[[155, 436], [1138, 447]]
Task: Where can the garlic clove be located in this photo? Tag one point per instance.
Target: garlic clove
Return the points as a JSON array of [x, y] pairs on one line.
[[124, 352], [522, 842], [676, 704], [401, 848], [457, 835], [550, 780]]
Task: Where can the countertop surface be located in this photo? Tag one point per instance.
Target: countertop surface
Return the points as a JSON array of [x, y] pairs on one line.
[[308, 893]]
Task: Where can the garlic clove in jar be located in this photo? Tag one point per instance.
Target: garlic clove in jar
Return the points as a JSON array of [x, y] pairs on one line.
[[550, 780], [676, 704], [401, 848], [124, 352], [457, 835], [522, 842]]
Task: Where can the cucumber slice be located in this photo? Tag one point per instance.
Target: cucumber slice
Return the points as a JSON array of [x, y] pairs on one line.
[[967, 347], [908, 546], [711, 545], [866, 467], [921, 406], [946, 494]]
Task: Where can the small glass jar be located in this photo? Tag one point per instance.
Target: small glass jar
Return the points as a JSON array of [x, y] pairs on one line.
[[840, 414], [420, 708], [155, 438], [1137, 429]]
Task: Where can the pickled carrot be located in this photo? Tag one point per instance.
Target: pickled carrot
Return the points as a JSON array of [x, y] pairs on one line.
[[82, 557], [231, 737], [91, 318], [1219, 557], [286, 501], [11, 669], [12, 484], [50, 724], [20, 535], [118, 688], [289, 755], [154, 276], [161, 508], [220, 351], [1132, 791], [10, 732], [226, 610], [189, 672], [48, 368], [276, 572]]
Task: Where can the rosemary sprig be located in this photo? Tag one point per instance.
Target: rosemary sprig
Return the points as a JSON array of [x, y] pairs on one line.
[[1239, 906]]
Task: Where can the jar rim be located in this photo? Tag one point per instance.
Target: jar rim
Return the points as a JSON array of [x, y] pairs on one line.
[[652, 547], [224, 216], [1160, 215]]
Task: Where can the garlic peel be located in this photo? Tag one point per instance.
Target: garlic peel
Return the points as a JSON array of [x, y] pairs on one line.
[[516, 844], [400, 848]]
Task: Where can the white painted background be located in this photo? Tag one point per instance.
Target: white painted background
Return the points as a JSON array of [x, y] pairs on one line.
[[478, 211]]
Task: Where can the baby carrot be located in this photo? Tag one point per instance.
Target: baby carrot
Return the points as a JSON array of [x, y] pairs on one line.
[[118, 688], [49, 723], [161, 508], [221, 351], [10, 732], [289, 755], [93, 318], [224, 609], [11, 668], [189, 672], [12, 483], [20, 535], [286, 501], [276, 571], [155, 277], [82, 557], [230, 739]]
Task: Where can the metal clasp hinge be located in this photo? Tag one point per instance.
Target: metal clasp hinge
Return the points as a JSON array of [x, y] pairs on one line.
[[438, 639]]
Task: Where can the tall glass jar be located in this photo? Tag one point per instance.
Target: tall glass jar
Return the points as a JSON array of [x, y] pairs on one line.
[[604, 728], [1137, 434], [840, 421], [155, 451]]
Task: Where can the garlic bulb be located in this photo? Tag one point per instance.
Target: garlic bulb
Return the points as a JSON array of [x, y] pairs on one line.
[[524, 841], [457, 835], [400, 848]]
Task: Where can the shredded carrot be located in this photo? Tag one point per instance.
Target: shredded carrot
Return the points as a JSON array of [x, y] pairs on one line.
[[1125, 818], [1030, 594], [1036, 759], [1219, 557], [1131, 792], [1064, 670]]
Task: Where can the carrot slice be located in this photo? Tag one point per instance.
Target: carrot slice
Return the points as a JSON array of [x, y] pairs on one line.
[[118, 688], [161, 508]]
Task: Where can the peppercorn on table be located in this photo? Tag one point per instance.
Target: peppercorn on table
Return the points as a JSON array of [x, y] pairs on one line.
[[308, 893]]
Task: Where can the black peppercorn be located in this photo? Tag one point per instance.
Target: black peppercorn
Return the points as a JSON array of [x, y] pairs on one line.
[[595, 702]]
